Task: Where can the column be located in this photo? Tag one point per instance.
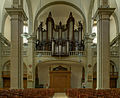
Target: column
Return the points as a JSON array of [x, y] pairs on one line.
[[31, 65], [103, 47], [118, 81], [1, 79], [16, 74], [89, 65]]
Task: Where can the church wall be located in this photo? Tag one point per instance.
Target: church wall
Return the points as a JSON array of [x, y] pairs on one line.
[[113, 31], [115, 4], [48, 58], [76, 69], [113, 58], [3, 4], [7, 28], [5, 59], [95, 7], [76, 75], [75, 2]]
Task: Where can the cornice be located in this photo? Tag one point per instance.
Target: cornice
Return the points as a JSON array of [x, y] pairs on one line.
[[17, 11], [103, 11]]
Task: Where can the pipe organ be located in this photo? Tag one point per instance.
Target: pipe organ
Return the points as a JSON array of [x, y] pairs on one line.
[[59, 39]]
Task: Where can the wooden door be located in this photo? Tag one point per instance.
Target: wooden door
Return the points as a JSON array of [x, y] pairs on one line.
[[25, 83], [94, 83], [60, 80], [6, 82], [113, 83]]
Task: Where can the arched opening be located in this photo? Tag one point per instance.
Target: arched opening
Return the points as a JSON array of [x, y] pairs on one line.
[[113, 75], [43, 70], [6, 75], [72, 8]]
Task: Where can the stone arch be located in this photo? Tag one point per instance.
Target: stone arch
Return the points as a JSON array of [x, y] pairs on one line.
[[30, 16], [5, 14], [75, 67], [6, 66], [116, 22], [114, 16], [3, 22], [64, 3], [113, 75], [90, 16], [6, 74], [112, 63], [113, 67]]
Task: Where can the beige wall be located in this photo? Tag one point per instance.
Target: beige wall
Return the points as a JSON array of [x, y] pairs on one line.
[[76, 67], [76, 74], [113, 31], [7, 28]]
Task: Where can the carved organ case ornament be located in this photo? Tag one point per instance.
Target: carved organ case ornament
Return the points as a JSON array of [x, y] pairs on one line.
[[60, 39]]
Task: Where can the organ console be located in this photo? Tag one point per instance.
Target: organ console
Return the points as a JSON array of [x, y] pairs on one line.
[[60, 39]]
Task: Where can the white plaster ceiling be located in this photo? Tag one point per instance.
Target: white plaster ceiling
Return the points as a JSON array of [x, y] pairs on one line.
[[81, 4], [37, 4], [60, 13]]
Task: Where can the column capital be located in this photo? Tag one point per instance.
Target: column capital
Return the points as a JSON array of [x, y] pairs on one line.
[[88, 39], [17, 11], [105, 12], [104, 3], [31, 39]]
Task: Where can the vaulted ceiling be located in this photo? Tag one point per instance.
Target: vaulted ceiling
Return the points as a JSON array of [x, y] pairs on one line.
[[60, 9]]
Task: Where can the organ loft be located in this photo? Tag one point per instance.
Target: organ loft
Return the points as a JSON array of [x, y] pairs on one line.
[[60, 38]]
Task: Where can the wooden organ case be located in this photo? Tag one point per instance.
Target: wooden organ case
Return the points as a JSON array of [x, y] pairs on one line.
[[60, 39]]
